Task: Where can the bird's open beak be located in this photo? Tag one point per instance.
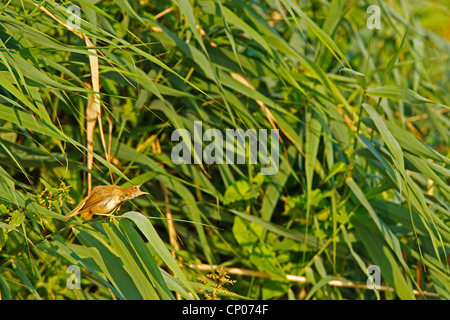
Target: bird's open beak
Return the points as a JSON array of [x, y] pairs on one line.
[[142, 192]]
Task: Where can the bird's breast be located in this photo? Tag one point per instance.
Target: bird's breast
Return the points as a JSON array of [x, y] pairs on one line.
[[107, 206]]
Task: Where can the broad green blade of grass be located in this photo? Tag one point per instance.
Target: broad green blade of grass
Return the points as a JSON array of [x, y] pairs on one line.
[[145, 257], [127, 256], [412, 144], [323, 37], [334, 16], [158, 245], [186, 10], [312, 140], [388, 235], [357, 258], [274, 190], [386, 261], [5, 292], [397, 93], [107, 263], [321, 283], [389, 139], [26, 281]]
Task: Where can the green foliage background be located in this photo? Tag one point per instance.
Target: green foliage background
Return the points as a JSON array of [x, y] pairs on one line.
[[363, 175]]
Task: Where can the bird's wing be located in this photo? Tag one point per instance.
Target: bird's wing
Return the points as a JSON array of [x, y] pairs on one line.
[[97, 196], [91, 200]]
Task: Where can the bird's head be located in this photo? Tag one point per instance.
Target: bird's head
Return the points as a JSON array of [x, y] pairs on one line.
[[132, 192]]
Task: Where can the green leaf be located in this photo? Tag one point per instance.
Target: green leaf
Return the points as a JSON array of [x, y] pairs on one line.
[[240, 190], [17, 218], [272, 288], [383, 258], [127, 256], [387, 233], [246, 234], [360, 77], [25, 280], [391, 142], [146, 259], [158, 245], [397, 93], [321, 35]]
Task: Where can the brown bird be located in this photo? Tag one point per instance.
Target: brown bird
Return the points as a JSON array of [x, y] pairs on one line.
[[104, 200]]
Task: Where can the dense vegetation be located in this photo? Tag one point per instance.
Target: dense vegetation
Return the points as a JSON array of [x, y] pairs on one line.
[[363, 148]]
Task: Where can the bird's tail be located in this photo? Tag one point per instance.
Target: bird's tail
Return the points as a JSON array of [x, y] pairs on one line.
[[75, 211], [70, 214]]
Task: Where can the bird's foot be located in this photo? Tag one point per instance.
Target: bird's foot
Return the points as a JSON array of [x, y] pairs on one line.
[[110, 215]]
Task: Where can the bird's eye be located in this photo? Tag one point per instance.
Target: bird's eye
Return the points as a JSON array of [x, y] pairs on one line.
[[136, 188]]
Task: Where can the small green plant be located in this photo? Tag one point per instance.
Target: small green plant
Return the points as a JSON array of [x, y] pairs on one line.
[[53, 198], [11, 217], [211, 290]]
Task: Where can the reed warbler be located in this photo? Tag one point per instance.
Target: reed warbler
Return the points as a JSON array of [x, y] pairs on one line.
[[104, 200]]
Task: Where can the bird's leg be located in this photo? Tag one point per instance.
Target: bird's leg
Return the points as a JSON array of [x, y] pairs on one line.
[[110, 214], [105, 214], [114, 210]]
